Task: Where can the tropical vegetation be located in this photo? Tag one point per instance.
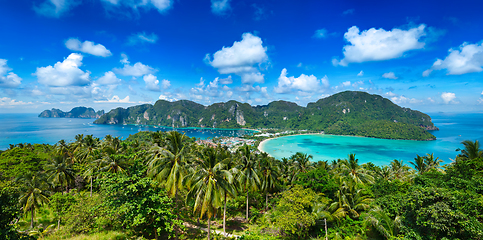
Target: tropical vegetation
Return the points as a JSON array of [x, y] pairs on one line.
[[164, 185]]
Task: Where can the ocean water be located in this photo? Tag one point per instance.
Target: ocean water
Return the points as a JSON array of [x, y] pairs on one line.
[[454, 128], [28, 128]]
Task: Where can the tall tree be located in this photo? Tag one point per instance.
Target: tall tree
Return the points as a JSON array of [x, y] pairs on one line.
[[270, 173], [356, 172], [34, 193], [419, 164], [169, 166], [208, 184], [248, 176], [60, 171], [471, 151]]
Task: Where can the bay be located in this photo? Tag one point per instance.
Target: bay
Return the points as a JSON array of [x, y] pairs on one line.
[[453, 129], [28, 128]]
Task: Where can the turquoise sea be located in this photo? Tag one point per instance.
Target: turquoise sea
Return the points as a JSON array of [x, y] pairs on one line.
[[28, 128], [453, 129]]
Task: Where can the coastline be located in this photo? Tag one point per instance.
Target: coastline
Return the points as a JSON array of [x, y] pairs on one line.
[[262, 143]]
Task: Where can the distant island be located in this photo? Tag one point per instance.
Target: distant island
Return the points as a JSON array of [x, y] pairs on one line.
[[77, 112], [346, 113]]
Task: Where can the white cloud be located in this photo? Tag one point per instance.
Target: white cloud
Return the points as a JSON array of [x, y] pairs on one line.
[[136, 70], [109, 78], [379, 44], [303, 83], [253, 77], [360, 74], [402, 99], [448, 97], [160, 5], [220, 7], [244, 58], [152, 83], [115, 99], [346, 83], [87, 47], [8, 102], [167, 98], [227, 80], [55, 8], [467, 58], [248, 88], [142, 37], [66, 73], [389, 75], [8, 79]]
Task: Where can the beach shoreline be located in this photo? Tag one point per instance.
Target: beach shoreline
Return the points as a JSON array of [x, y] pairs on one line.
[[262, 143]]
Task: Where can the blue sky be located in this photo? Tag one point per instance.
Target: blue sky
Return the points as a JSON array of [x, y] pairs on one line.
[[426, 55]]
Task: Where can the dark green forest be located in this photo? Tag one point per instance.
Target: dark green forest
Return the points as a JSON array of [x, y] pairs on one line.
[[345, 113], [157, 185]]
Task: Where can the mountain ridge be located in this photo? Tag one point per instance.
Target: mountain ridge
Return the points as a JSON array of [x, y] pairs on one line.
[[345, 113], [77, 112]]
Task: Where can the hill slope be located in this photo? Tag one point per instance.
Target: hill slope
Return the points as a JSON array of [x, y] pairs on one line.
[[77, 112], [345, 113]]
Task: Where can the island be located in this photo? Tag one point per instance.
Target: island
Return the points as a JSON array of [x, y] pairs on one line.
[[77, 112], [350, 113]]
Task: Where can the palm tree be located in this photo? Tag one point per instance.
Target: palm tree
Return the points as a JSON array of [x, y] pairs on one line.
[[387, 227], [400, 170], [208, 184], [471, 150], [431, 162], [114, 163], [229, 164], [60, 171], [248, 176], [352, 169], [269, 173], [302, 162], [34, 194], [419, 164], [351, 200], [92, 170], [168, 166], [87, 148]]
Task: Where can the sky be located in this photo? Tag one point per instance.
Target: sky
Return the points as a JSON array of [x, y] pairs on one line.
[[424, 55]]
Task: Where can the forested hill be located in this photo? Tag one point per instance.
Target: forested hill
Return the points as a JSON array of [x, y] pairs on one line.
[[77, 112], [345, 113]]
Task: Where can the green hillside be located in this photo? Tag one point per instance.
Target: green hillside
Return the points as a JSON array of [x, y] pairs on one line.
[[345, 113]]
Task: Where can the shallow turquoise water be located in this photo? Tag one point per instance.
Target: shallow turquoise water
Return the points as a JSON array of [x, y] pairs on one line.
[[28, 128], [454, 128]]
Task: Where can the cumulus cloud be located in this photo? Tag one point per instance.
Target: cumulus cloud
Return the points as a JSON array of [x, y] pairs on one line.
[[115, 99], [210, 91], [136, 70], [8, 102], [142, 37], [227, 80], [160, 5], [244, 58], [302, 83], [55, 8], [389, 75], [379, 44], [87, 47], [467, 58], [360, 74], [65, 73], [152, 83], [109, 78], [8, 79], [220, 7], [402, 99], [448, 97]]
